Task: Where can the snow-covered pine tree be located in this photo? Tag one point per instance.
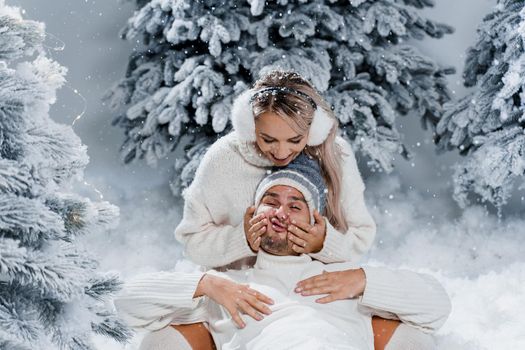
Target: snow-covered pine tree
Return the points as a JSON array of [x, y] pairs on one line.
[[52, 295], [198, 55], [488, 125]]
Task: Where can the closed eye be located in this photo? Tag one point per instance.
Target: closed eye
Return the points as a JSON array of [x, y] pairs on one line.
[[270, 204]]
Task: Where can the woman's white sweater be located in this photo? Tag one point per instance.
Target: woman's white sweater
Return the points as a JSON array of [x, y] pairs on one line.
[[212, 228]]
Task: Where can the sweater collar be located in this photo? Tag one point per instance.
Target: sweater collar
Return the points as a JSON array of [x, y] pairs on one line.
[[251, 154], [268, 261]]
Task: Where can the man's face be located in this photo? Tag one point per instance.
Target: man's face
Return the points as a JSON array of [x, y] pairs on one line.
[[282, 205]]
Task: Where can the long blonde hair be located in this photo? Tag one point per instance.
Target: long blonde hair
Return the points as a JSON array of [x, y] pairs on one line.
[[298, 112]]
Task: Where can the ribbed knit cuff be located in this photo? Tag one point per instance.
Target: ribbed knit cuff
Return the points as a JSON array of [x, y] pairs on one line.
[[239, 247], [333, 242], [380, 292], [416, 299], [170, 288]]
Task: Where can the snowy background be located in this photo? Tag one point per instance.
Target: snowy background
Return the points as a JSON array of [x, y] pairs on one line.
[[475, 254]]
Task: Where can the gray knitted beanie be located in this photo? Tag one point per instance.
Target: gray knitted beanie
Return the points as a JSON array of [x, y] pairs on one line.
[[303, 174]]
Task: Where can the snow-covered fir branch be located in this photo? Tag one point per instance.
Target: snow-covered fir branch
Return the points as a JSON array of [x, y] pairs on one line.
[[488, 125], [196, 56], [52, 294]]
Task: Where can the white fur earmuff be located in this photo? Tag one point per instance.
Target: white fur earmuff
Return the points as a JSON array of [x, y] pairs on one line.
[[320, 127], [243, 121]]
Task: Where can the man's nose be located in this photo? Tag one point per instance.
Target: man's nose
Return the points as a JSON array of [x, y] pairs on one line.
[[281, 213]]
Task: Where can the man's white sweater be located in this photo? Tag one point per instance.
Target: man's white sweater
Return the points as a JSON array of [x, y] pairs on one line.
[[156, 300], [212, 229]]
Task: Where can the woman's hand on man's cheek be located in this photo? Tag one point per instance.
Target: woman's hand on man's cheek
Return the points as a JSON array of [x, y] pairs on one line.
[[308, 238]]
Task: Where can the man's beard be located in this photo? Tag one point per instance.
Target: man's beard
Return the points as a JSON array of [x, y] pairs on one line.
[[274, 245]]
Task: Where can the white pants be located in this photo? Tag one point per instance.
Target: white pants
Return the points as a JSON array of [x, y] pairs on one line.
[[409, 338], [404, 338], [167, 338]]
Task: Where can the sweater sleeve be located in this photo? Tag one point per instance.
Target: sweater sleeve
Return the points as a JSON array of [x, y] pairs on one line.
[[153, 301], [352, 244], [416, 299], [205, 241]]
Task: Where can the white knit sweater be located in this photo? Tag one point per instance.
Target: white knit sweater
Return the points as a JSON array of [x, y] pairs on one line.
[[212, 228], [156, 300]]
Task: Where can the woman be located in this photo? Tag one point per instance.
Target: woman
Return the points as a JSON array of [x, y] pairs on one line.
[[282, 116]]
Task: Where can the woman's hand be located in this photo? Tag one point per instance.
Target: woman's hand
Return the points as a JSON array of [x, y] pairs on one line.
[[254, 227], [235, 298], [339, 285], [308, 238]]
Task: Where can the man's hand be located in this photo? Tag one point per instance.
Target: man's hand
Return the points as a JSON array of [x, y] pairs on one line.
[[339, 285], [234, 297], [308, 238], [254, 227]]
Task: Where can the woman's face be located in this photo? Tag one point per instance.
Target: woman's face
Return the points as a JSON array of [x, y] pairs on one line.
[[277, 140]]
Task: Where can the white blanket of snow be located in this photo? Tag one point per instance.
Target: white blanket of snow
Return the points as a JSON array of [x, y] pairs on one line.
[[477, 257]]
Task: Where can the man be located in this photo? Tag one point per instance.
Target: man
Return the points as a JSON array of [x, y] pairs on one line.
[[278, 316]]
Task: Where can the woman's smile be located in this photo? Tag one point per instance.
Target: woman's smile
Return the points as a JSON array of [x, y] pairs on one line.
[[283, 161]]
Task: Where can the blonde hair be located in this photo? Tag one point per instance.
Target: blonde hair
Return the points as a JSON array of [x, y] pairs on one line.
[[299, 113]]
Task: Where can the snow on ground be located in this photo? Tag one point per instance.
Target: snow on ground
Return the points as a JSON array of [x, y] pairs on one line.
[[474, 254], [144, 240]]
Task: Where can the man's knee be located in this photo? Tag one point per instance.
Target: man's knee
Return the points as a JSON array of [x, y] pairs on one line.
[[410, 338], [167, 338]]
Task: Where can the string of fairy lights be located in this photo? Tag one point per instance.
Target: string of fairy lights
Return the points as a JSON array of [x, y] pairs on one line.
[[60, 45]]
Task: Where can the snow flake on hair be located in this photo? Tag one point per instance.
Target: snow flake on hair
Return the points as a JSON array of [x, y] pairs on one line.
[[243, 121], [284, 89]]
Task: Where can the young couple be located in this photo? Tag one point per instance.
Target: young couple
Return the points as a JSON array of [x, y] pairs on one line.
[[281, 197]]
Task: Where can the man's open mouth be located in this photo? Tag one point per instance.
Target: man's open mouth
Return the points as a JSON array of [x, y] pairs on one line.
[[278, 226]]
